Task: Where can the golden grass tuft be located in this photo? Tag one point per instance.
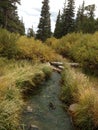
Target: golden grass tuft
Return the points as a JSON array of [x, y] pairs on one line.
[[78, 89], [12, 84]]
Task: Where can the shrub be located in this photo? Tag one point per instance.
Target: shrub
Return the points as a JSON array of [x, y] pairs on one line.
[[35, 50], [47, 71], [86, 52], [63, 45], [82, 48], [8, 47]]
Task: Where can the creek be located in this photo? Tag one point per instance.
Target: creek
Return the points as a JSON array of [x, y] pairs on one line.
[[45, 108]]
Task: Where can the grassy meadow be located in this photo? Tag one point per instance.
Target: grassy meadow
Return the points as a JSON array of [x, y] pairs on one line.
[[23, 67]]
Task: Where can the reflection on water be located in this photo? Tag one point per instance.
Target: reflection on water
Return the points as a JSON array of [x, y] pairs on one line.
[[44, 108]]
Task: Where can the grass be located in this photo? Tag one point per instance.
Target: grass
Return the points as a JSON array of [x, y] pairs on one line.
[[16, 78], [77, 88]]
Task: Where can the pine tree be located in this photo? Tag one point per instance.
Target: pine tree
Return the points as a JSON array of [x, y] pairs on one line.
[[15, 24], [69, 17], [57, 31], [9, 17], [44, 27], [63, 20], [96, 24], [7, 7], [85, 22], [80, 18], [90, 11], [30, 32], [90, 21]]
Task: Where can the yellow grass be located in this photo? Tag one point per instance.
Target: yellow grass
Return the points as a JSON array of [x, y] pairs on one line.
[[11, 101], [80, 90]]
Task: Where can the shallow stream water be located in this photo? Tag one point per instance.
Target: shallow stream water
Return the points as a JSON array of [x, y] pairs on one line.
[[46, 110]]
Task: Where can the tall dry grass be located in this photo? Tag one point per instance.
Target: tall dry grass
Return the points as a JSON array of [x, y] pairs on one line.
[[17, 77], [77, 88]]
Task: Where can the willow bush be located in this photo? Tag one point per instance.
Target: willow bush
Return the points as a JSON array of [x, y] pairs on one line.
[[8, 47], [82, 48], [35, 50]]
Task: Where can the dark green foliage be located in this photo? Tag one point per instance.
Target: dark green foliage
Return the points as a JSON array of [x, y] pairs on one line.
[[80, 18], [63, 18], [96, 24], [30, 32], [9, 17], [57, 31], [90, 11], [16, 25], [44, 27], [68, 18], [85, 21], [90, 22], [65, 22], [69, 25]]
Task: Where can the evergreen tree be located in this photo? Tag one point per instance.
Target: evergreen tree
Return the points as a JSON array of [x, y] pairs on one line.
[[57, 31], [9, 17], [7, 7], [78, 21], [96, 24], [90, 11], [85, 21], [80, 18], [30, 32], [90, 21], [44, 27], [63, 20], [69, 18]]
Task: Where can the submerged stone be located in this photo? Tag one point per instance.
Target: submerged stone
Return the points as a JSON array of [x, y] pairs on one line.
[[33, 127], [52, 106], [29, 109]]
